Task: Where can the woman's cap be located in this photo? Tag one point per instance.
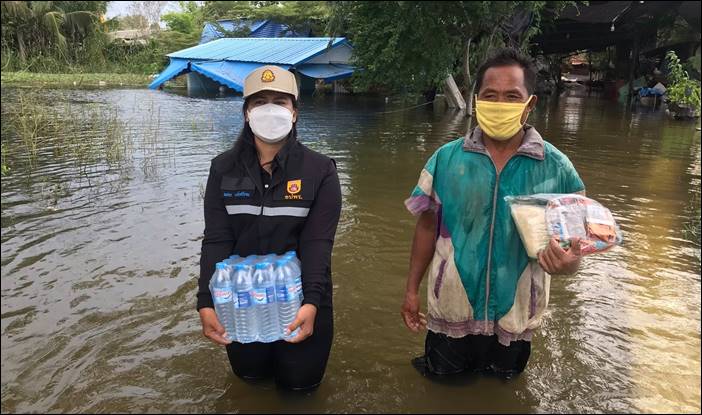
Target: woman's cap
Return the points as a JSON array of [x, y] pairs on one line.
[[270, 78]]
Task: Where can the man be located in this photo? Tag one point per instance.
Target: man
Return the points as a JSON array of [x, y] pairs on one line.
[[485, 297]]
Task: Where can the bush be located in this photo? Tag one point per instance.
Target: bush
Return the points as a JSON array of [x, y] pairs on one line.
[[682, 91]]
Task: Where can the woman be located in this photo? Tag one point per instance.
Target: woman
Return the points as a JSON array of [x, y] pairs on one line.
[[271, 194]]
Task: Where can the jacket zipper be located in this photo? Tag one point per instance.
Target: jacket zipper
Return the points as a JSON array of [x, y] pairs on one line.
[[492, 232], [263, 198]]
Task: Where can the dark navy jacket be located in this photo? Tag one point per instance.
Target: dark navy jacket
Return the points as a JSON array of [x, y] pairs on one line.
[[248, 211]]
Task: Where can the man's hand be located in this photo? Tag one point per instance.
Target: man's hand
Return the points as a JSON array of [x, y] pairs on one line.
[[211, 328], [554, 260], [414, 320], [305, 321]]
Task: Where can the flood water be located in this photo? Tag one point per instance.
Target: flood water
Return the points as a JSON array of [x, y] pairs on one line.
[[101, 234]]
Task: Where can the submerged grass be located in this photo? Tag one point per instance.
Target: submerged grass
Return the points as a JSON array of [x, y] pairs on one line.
[[81, 80], [77, 80], [88, 136]]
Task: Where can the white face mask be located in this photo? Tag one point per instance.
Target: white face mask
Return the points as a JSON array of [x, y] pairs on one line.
[[270, 122]]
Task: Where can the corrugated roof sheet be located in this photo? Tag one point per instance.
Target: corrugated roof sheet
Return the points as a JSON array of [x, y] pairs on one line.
[[286, 51]]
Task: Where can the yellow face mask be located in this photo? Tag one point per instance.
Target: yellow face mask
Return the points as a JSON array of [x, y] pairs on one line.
[[500, 120]]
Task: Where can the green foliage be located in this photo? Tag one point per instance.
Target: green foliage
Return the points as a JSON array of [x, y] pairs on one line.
[[414, 45], [681, 91], [298, 15], [42, 31], [179, 22], [97, 7], [392, 40]]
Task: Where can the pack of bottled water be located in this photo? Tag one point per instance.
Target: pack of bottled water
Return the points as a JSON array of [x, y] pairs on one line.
[[257, 297]]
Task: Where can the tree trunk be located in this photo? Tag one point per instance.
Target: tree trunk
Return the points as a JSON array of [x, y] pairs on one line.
[[21, 47], [453, 94], [466, 68]]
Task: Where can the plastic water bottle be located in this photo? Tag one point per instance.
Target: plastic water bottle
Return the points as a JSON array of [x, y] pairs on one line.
[[233, 260], [264, 302], [244, 313], [222, 289], [286, 295], [296, 271]]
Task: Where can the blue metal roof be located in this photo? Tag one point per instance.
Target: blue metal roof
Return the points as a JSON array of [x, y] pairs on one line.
[[285, 51], [176, 67]]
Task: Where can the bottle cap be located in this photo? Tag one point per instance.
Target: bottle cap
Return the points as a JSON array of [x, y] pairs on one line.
[[263, 265]]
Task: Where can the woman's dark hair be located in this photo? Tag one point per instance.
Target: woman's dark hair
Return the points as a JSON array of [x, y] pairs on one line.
[[245, 141], [508, 57]]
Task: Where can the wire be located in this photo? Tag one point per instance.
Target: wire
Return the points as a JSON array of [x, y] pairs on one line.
[[408, 108]]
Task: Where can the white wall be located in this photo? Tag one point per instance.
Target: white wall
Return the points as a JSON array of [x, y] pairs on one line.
[[339, 54]]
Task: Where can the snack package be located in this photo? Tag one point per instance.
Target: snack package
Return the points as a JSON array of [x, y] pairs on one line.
[[565, 216]]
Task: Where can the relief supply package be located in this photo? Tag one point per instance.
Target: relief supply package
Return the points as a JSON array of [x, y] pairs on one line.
[[539, 217]]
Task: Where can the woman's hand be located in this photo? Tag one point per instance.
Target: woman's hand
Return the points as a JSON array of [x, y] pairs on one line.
[[305, 321], [211, 327]]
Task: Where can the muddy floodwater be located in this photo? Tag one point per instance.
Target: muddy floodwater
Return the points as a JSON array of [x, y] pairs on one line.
[[102, 225]]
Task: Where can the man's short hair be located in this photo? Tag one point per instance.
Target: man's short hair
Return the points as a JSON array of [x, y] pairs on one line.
[[509, 57]]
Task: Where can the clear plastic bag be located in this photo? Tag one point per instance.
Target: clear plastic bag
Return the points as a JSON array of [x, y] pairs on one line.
[[539, 217]]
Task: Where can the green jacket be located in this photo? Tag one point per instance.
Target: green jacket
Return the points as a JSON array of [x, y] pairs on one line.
[[480, 279]]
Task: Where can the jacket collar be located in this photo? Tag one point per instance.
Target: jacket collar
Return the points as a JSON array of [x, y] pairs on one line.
[[253, 168], [532, 143]]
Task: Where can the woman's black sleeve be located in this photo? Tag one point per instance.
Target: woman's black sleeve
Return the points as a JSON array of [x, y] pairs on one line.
[[317, 238], [219, 238]]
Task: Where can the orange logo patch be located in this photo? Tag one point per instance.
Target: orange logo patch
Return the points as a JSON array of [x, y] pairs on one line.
[[294, 186], [267, 76]]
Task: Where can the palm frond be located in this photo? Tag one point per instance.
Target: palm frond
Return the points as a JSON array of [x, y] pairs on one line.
[[15, 11], [52, 22], [40, 8], [81, 22]]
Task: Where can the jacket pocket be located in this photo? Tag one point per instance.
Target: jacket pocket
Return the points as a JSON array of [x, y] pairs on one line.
[[237, 188]]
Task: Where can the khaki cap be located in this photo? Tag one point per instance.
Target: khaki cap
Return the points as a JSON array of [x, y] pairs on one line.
[[270, 78]]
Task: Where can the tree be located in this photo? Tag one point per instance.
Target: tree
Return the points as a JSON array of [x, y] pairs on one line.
[[151, 10], [298, 15], [97, 7], [682, 91], [414, 45], [179, 22], [42, 28], [133, 22]]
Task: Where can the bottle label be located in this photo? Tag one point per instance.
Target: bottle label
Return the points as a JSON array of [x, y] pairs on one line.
[[281, 293], [221, 295], [270, 295], [244, 300], [292, 292], [259, 296], [298, 285]]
